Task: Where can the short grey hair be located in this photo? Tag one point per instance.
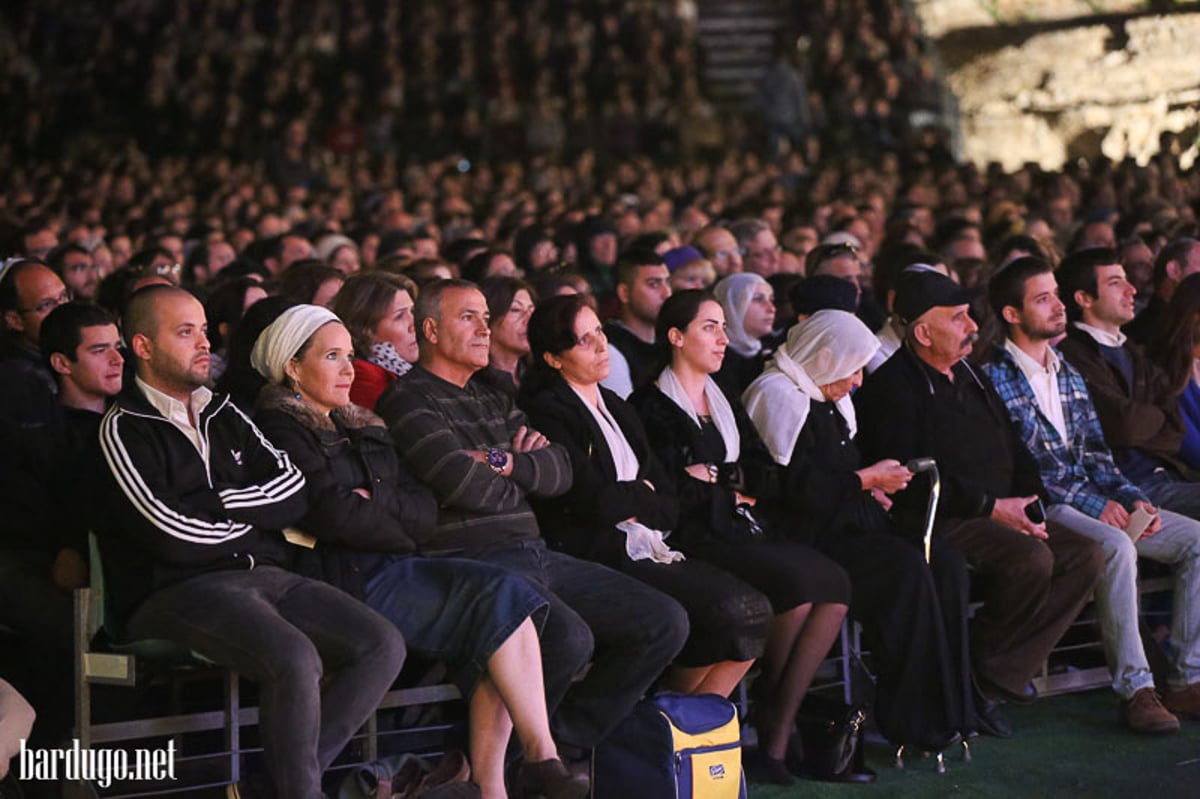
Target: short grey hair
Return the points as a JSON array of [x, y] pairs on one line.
[[745, 230], [429, 303]]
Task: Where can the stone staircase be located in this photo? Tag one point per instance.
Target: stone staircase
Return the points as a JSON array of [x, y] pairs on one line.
[[736, 38]]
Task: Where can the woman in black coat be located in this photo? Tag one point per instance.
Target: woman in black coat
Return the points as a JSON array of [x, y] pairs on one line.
[[365, 515], [725, 481], [620, 503], [915, 614]]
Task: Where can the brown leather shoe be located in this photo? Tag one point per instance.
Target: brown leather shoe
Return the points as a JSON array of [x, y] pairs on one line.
[[1144, 713], [550, 779], [1184, 702]]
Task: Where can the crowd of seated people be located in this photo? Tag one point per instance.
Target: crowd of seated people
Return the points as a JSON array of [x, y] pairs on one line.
[[414, 332], [562, 517], [307, 84]]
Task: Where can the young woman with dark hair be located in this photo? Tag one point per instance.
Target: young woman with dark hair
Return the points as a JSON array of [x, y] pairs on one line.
[[727, 485]]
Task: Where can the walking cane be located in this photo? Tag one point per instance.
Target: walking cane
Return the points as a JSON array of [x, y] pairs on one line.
[[935, 492]]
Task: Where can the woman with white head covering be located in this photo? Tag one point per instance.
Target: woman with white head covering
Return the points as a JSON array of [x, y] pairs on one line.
[[365, 513], [801, 407], [749, 304]]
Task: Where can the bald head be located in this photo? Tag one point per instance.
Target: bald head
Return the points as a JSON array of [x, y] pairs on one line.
[[29, 291], [141, 317], [166, 331]]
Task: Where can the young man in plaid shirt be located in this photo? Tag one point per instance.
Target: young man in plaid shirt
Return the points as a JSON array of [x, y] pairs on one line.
[[1049, 403]]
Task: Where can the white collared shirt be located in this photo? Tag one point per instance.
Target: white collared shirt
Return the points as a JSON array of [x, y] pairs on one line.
[[1044, 382], [889, 342], [177, 413], [1103, 337]]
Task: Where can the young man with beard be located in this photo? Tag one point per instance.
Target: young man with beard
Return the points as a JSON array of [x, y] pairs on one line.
[[188, 520], [927, 401], [643, 285], [1049, 404]]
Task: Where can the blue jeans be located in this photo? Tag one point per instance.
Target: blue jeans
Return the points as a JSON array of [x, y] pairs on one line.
[[629, 631], [322, 659], [1168, 490], [1177, 544]]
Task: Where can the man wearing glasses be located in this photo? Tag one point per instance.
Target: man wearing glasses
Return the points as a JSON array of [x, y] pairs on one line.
[[720, 247], [758, 246], [839, 260], [29, 291]]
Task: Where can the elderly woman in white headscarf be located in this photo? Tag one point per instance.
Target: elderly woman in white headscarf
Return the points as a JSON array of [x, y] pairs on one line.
[[917, 613], [366, 514], [749, 304]]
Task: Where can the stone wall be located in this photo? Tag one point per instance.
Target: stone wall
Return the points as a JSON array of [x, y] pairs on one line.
[[1079, 91], [939, 17]]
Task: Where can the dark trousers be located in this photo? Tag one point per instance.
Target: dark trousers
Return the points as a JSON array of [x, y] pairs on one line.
[[1031, 590], [32, 604], [628, 630], [915, 617], [322, 659]]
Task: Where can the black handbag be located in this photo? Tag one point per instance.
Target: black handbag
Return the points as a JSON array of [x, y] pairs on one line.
[[831, 734]]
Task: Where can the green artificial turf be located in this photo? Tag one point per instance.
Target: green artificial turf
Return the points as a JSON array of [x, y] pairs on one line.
[[1063, 746]]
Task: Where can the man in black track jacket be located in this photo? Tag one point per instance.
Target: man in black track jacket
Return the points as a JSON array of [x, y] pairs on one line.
[[191, 505]]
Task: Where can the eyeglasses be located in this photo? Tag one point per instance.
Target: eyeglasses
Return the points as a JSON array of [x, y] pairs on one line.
[[827, 252], [49, 304], [834, 250], [588, 340], [748, 252], [163, 270]]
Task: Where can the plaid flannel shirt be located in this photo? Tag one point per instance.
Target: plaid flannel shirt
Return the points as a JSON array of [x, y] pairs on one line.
[[1079, 472]]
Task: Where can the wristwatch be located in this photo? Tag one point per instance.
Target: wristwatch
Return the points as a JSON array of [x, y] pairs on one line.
[[713, 472], [497, 459]]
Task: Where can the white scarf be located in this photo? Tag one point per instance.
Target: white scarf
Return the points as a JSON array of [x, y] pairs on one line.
[[718, 406], [624, 458], [284, 337], [641, 542], [826, 347]]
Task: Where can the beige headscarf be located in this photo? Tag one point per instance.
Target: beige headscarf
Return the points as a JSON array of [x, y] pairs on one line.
[[284, 337], [826, 347], [735, 293]]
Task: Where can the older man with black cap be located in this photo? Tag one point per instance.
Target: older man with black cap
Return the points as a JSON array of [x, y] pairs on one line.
[[926, 401]]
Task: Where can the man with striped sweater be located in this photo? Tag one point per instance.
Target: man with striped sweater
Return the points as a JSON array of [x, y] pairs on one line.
[[191, 506], [477, 452]]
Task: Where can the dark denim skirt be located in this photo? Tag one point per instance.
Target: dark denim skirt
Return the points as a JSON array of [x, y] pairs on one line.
[[454, 610]]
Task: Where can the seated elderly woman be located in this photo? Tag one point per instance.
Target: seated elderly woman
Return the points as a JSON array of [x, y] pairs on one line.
[[364, 515], [717, 466], [620, 506], [376, 308], [916, 615], [748, 302]]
